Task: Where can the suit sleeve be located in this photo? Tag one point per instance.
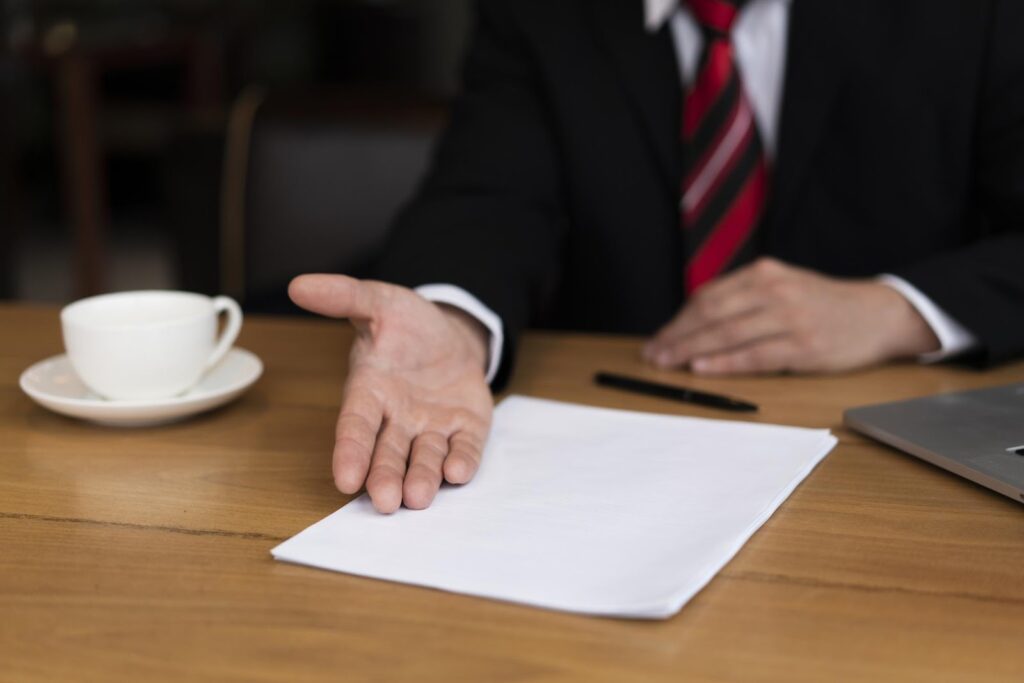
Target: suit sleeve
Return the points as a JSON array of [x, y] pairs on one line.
[[488, 217], [981, 285]]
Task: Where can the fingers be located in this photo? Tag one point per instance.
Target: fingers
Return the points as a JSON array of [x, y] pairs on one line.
[[411, 470], [466, 449], [336, 296], [387, 470], [426, 463], [733, 295], [733, 333], [355, 438], [726, 313], [775, 354]]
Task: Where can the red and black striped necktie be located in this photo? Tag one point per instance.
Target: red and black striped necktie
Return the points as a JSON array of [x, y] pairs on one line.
[[725, 182]]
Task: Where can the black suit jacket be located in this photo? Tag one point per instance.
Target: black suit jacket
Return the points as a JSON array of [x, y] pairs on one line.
[[553, 195]]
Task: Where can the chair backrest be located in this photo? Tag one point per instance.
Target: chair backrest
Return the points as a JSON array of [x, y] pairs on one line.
[[313, 182]]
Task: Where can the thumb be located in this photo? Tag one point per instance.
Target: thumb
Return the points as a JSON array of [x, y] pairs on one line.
[[336, 296]]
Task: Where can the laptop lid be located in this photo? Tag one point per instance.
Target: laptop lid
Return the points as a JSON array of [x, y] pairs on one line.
[[977, 434]]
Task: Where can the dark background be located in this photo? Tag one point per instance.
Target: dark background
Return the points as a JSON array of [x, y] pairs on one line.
[[163, 76]]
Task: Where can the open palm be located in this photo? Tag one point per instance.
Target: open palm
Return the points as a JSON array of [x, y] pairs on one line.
[[416, 408]]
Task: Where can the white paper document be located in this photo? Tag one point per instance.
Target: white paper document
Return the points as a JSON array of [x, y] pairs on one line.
[[582, 509]]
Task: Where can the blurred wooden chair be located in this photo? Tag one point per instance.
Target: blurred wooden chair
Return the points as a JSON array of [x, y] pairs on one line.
[[78, 59], [311, 183]]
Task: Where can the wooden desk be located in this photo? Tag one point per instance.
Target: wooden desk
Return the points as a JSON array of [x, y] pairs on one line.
[[143, 555]]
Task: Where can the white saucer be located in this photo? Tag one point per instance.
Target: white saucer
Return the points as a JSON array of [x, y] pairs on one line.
[[53, 384]]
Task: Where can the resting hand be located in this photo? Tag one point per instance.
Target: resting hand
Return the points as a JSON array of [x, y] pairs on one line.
[[416, 408], [773, 317]]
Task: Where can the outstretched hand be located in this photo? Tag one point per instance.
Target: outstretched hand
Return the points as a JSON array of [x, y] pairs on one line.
[[416, 408]]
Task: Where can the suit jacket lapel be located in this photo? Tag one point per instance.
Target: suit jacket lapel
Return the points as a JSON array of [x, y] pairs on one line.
[[646, 64], [812, 83]]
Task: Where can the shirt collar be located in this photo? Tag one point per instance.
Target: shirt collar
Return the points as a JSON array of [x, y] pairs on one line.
[[657, 12]]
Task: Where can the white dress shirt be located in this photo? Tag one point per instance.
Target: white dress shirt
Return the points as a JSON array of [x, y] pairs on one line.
[[759, 39]]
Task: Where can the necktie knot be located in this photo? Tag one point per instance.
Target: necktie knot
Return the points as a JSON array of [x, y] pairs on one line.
[[715, 16]]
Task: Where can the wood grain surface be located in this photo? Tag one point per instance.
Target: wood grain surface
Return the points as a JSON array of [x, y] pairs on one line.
[[143, 555]]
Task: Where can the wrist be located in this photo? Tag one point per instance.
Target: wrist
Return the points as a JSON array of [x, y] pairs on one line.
[[472, 331], [908, 334]]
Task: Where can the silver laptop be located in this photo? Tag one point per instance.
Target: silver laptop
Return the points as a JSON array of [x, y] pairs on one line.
[[976, 434]]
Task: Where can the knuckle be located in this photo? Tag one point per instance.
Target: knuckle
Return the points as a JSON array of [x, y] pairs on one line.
[[472, 428], [432, 436], [430, 446], [375, 481], [390, 448], [423, 473], [385, 469], [349, 446], [765, 266], [464, 452], [350, 424]]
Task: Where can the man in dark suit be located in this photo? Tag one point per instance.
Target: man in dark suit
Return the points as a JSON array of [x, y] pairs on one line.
[[770, 185]]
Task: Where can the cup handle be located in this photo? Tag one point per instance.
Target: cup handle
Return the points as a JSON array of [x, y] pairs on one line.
[[225, 304]]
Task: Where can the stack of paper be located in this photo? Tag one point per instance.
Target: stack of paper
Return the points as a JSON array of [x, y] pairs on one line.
[[582, 509]]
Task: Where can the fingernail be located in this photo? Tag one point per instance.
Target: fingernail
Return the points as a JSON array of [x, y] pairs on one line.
[[700, 365]]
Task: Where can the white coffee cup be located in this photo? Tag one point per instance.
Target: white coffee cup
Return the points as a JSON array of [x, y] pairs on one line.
[[148, 344]]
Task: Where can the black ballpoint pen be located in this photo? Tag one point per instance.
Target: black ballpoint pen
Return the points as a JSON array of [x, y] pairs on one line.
[[675, 393]]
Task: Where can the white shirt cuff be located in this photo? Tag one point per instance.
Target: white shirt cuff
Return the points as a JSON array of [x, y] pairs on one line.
[[469, 304], [953, 337]]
